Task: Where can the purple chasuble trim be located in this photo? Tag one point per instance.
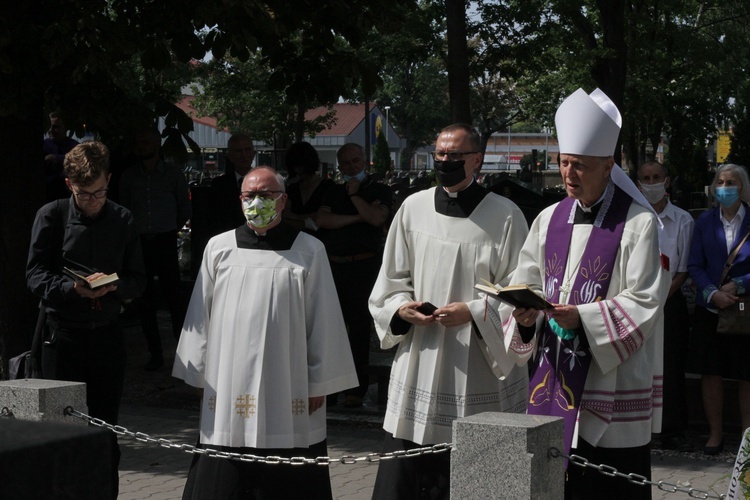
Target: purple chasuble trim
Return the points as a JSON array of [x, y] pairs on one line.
[[557, 384]]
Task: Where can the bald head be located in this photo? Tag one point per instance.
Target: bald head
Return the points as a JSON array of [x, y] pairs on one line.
[[266, 174]]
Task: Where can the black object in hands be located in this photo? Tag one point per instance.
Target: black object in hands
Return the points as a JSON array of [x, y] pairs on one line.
[[427, 308]]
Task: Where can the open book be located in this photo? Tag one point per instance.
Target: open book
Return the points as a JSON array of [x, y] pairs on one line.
[[78, 275], [515, 295]]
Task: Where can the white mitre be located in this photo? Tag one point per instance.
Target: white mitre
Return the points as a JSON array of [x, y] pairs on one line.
[[589, 125]]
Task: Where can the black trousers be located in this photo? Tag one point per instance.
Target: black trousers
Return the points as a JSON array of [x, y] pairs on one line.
[[676, 344], [354, 282], [586, 483], [219, 478], [96, 357], [425, 477], [160, 260]]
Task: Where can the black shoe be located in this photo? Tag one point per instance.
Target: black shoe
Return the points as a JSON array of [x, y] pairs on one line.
[[155, 363], [714, 450], [656, 441], [676, 443], [352, 401]]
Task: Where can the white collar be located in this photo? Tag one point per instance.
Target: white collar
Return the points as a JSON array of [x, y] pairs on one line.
[[455, 194], [738, 217], [589, 209]]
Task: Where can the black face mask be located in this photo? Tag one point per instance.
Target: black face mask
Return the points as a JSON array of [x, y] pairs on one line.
[[450, 173]]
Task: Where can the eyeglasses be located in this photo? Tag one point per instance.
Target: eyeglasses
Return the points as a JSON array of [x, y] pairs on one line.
[[86, 196], [266, 195], [451, 155]]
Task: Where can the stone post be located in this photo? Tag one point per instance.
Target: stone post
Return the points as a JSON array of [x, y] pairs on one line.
[[41, 454], [42, 400], [505, 455]]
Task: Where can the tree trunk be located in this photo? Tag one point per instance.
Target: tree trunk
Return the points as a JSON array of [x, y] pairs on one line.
[[610, 73], [458, 62], [367, 133]]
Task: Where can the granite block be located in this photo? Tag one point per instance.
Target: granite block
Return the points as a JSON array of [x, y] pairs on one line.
[[505, 455], [43, 400]]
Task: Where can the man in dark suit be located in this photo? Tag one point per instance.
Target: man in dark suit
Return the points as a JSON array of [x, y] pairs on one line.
[[224, 195]]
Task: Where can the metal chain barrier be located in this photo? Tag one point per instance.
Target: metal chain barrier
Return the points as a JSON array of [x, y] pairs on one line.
[[346, 459], [638, 479], [577, 460]]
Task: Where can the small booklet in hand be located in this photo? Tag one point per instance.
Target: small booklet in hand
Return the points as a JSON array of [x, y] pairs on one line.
[[515, 295], [79, 275]]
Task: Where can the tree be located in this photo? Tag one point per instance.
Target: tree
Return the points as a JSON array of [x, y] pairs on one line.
[[418, 95], [414, 78], [495, 102], [381, 161]]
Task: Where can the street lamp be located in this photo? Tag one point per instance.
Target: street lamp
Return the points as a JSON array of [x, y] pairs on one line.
[[386, 122]]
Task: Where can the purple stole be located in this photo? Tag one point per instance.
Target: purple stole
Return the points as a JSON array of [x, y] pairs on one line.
[[557, 384]]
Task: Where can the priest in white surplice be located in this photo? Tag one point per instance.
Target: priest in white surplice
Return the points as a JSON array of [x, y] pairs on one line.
[[597, 355], [264, 340], [441, 243]]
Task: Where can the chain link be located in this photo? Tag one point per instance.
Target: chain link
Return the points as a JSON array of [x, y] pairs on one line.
[[638, 479], [187, 448]]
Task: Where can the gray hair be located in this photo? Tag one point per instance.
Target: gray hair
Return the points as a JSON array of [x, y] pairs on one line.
[[741, 172]]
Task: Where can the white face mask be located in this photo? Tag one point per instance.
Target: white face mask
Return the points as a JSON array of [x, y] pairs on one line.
[[653, 193]]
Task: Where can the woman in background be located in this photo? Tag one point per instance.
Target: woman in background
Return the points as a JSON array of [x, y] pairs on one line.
[[718, 356], [305, 188]]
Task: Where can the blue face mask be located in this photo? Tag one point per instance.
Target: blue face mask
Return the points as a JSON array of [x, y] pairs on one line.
[[727, 195], [360, 176]]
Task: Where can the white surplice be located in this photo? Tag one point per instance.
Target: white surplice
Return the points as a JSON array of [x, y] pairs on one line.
[[622, 399], [263, 333], [440, 374]]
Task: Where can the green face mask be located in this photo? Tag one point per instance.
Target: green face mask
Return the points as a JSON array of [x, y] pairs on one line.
[[260, 212]]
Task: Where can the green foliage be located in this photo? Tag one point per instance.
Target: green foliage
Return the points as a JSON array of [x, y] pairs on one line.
[[381, 161], [670, 66], [238, 93]]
